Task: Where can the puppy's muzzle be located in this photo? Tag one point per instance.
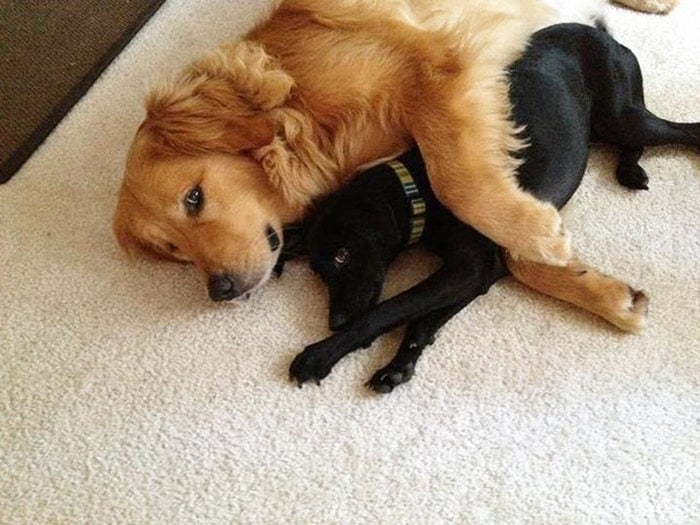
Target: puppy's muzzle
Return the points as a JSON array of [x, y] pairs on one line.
[[223, 287]]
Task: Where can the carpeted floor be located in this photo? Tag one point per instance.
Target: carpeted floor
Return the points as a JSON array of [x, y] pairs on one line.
[[127, 397]]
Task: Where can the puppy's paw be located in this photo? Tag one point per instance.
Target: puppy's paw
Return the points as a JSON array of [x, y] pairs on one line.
[[317, 360], [632, 176], [389, 377], [545, 239], [310, 365]]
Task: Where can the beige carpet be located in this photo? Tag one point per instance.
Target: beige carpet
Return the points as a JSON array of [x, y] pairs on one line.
[[127, 397]]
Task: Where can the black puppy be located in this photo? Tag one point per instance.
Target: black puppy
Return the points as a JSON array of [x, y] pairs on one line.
[[573, 84]]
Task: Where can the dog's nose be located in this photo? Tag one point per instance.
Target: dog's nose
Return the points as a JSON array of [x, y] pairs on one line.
[[221, 287], [337, 320]]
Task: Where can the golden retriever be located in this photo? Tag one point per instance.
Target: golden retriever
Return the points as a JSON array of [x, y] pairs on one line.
[[245, 138]]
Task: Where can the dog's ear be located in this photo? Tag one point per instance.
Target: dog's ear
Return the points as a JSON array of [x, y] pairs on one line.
[[220, 103], [379, 225], [249, 133], [393, 229], [247, 71], [295, 240]]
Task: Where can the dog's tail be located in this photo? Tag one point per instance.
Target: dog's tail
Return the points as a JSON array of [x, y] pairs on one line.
[[600, 23]]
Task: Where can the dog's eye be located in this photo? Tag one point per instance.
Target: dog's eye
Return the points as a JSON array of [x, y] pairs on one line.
[[272, 238], [194, 200], [342, 257], [171, 247]]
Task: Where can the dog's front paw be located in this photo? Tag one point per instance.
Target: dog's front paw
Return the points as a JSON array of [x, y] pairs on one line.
[[313, 364], [391, 376], [546, 239]]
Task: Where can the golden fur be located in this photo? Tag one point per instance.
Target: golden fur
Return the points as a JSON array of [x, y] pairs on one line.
[[314, 92], [650, 6], [267, 125], [579, 284]]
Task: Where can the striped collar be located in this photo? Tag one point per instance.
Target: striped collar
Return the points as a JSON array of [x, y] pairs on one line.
[[415, 200]]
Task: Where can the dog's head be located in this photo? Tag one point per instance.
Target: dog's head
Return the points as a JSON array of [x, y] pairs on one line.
[[195, 189], [214, 210], [351, 242]]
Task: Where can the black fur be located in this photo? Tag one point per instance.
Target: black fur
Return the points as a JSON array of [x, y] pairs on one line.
[[574, 84]]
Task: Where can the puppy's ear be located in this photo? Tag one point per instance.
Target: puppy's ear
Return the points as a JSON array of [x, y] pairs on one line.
[[393, 229], [295, 240]]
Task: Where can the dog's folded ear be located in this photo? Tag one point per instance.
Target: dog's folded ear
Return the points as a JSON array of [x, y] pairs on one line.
[[393, 229], [221, 103], [249, 133], [247, 70], [197, 133]]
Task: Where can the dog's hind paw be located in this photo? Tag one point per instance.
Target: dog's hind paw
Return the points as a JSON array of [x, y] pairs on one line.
[[631, 311], [632, 176]]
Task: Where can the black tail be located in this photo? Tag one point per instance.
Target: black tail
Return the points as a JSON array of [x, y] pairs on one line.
[[652, 131], [600, 23], [656, 131]]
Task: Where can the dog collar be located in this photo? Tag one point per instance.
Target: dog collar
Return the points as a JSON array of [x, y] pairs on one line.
[[415, 200]]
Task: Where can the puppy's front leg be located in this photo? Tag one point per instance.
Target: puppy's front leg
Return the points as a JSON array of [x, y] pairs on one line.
[[587, 288], [465, 138], [419, 334], [447, 286]]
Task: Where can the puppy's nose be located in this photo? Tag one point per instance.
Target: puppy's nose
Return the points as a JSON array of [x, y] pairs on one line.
[[221, 287], [337, 320]]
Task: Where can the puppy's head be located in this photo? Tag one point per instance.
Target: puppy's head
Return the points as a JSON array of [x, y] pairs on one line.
[[214, 210], [351, 242]]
